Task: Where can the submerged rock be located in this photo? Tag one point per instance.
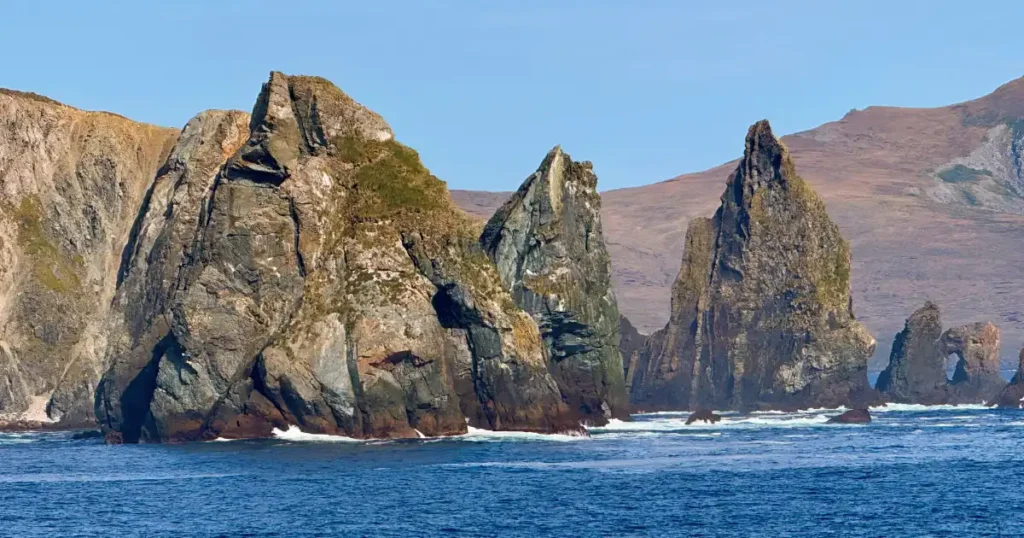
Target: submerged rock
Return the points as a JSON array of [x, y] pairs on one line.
[[703, 415], [761, 310], [547, 243], [917, 364], [853, 416], [306, 269]]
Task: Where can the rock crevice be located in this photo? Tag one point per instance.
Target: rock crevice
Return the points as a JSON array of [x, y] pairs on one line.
[[311, 272]]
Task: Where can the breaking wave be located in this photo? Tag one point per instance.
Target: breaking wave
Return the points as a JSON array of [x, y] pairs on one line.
[[481, 435], [293, 433], [918, 408]]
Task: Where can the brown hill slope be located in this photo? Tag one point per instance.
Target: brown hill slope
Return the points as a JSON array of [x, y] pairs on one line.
[[930, 199]]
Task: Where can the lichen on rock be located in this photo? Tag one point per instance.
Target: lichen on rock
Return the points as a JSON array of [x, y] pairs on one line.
[[327, 281], [548, 245], [71, 183], [916, 372], [761, 311]]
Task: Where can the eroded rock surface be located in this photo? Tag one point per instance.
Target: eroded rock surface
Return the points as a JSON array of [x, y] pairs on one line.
[[71, 184], [761, 310], [307, 270], [976, 347], [549, 249], [917, 364]]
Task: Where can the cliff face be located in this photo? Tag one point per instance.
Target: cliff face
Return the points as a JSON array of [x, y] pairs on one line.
[[307, 270], [71, 184], [548, 245], [917, 364], [761, 309]]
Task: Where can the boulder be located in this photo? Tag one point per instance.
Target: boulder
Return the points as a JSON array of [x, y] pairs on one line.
[[703, 415], [853, 416]]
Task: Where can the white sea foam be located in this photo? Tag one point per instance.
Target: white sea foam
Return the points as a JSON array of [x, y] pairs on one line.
[[678, 425], [918, 408], [480, 435], [295, 434]]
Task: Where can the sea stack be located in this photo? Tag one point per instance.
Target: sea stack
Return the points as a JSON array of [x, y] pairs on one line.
[[1012, 394], [761, 310], [917, 364], [302, 268], [547, 243]]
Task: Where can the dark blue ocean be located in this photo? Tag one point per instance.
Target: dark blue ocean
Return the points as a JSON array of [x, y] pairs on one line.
[[915, 471]]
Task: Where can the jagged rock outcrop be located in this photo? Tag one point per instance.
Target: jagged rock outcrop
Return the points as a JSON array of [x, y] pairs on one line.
[[917, 364], [71, 184], [1012, 394], [308, 270], [761, 311], [547, 243], [976, 346]]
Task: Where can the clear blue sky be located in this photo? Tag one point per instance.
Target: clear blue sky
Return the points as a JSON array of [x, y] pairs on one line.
[[645, 89]]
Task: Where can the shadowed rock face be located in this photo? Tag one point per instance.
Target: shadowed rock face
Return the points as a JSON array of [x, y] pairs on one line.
[[761, 309], [1012, 394], [630, 344], [305, 269], [917, 364], [549, 249]]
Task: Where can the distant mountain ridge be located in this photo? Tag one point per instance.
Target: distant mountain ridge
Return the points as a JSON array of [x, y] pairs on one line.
[[931, 199]]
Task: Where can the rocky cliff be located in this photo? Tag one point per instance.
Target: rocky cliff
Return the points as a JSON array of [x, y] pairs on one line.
[[548, 245], [301, 267], [761, 310], [917, 364], [72, 183]]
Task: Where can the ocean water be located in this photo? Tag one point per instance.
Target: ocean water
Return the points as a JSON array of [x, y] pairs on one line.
[[915, 471]]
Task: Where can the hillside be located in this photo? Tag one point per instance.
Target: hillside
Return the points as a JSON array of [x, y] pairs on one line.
[[931, 200]]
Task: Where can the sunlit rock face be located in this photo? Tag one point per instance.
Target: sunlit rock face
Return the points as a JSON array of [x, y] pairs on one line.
[[761, 310], [300, 267], [548, 245]]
